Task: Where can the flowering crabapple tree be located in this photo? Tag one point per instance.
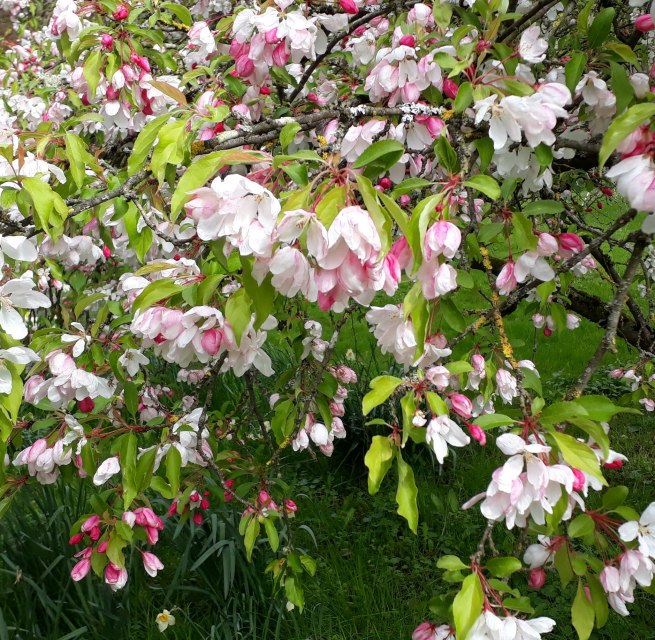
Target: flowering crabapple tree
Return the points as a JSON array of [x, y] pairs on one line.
[[189, 188]]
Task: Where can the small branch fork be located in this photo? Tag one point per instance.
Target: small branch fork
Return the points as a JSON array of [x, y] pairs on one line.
[[613, 319]]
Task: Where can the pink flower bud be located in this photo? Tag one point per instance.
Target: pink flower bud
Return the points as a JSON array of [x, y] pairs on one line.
[[76, 539], [645, 23], [537, 578], [570, 242], [112, 93], [478, 362], [616, 373], [478, 434], [87, 405], [204, 504], [89, 523], [548, 332], [172, 510], [102, 547], [151, 563], [211, 341], [115, 577], [121, 12], [80, 570], [106, 251], [290, 506], [107, 41], [244, 66], [461, 405], [617, 464], [407, 41], [349, 6], [194, 497], [95, 534], [197, 518], [450, 88], [580, 480], [538, 320], [404, 200], [264, 498]]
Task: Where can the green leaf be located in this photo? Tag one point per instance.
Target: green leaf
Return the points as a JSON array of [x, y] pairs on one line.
[[562, 563], [601, 408], [562, 412], [144, 143], [381, 388], [452, 315], [521, 604], [381, 220], [180, 11], [621, 87], [293, 592], [407, 493], [582, 613], [622, 126], [578, 455], [467, 605], [598, 600], [378, 460], [379, 157], [485, 149], [523, 233], [78, 157], [547, 207], [173, 466], [271, 534], [50, 209], [464, 97], [128, 468], [446, 155], [115, 550], [493, 420], [288, 133], [156, 291], [583, 17], [91, 70], [614, 497], [574, 69], [484, 184], [238, 313], [451, 563], [251, 535], [436, 403], [503, 567], [544, 155], [581, 526], [600, 27]]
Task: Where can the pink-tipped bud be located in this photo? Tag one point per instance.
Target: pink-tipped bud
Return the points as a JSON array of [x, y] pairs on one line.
[[172, 510], [95, 533], [312, 97], [349, 6], [617, 464], [478, 434], [197, 518], [385, 183], [645, 23], [548, 332], [107, 41], [580, 480], [106, 251], [616, 373], [290, 506], [570, 242], [89, 523], [211, 341], [204, 504], [405, 200], [537, 578], [121, 12], [264, 498], [80, 570], [76, 539], [407, 41], [102, 547], [194, 497], [461, 405], [112, 93]]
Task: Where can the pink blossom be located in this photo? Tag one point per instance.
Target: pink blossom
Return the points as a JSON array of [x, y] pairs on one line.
[[81, 569], [115, 577], [537, 578], [442, 238], [461, 405], [151, 563], [506, 282]]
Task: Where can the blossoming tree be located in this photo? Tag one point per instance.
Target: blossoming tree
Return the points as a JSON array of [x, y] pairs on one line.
[[198, 183]]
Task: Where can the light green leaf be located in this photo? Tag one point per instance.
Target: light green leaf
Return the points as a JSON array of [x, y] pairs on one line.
[[582, 613], [467, 605], [625, 124], [484, 184], [238, 313], [144, 143], [407, 493], [156, 291], [378, 461], [381, 388], [578, 455]]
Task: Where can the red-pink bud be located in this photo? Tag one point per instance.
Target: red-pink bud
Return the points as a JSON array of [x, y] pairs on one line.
[[172, 510], [76, 539], [617, 464], [194, 497], [204, 504], [349, 6], [107, 41], [570, 242], [408, 41], [290, 505], [580, 480], [537, 578], [548, 332], [112, 93], [478, 434], [106, 251], [95, 533], [197, 518], [121, 12], [211, 341], [263, 497], [312, 97], [89, 523], [645, 23], [228, 497], [461, 405], [87, 405], [80, 570], [102, 547], [404, 200]]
